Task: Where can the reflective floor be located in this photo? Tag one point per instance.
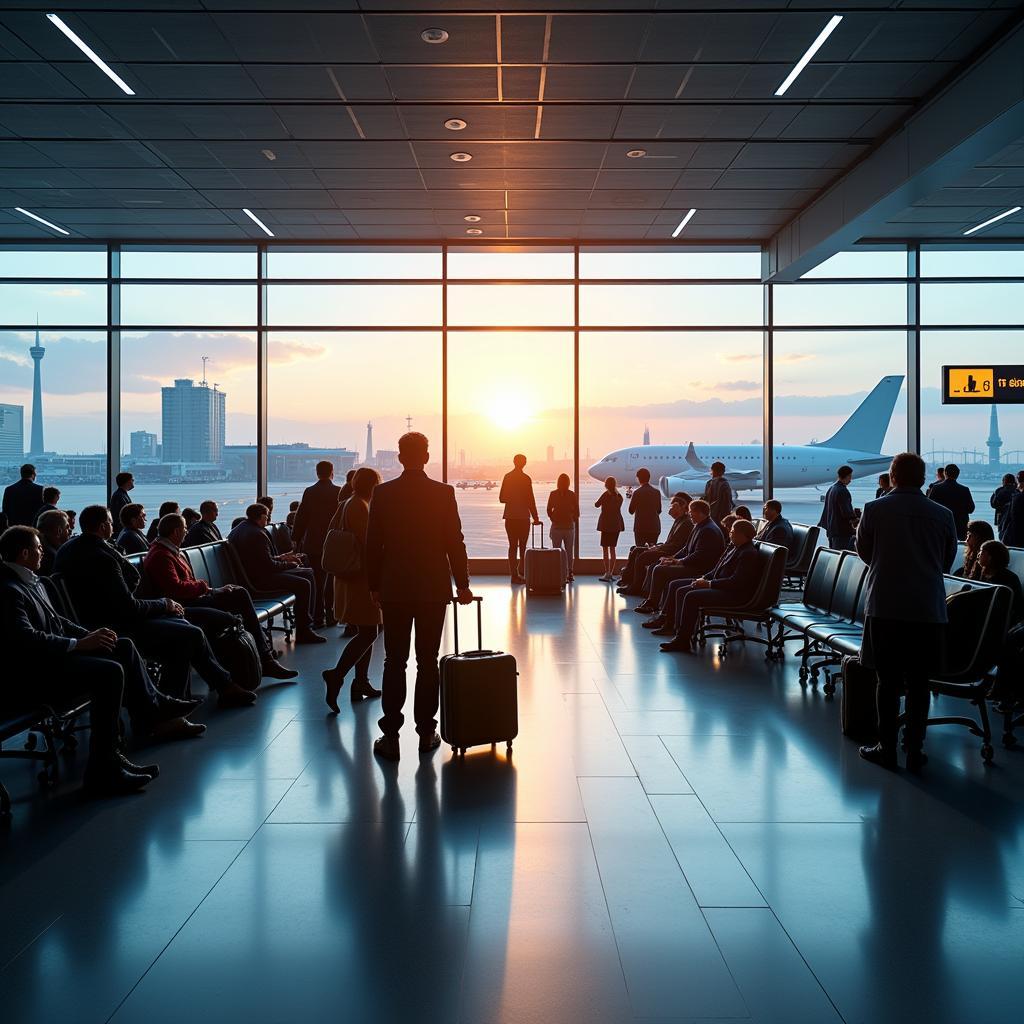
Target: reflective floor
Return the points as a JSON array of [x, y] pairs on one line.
[[674, 839]]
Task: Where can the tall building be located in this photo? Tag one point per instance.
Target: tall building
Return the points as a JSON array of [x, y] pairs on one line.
[[193, 423], [143, 445], [369, 444], [994, 442], [37, 352], [12, 432], [551, 453]]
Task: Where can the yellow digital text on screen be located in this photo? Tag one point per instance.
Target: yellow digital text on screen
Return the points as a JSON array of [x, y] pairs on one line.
[[970, 383]]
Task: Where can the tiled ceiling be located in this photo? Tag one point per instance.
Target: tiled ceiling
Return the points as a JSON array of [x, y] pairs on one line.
[[328, 122]]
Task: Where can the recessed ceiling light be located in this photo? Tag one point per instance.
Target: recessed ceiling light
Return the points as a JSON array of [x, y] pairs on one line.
[[474, 231], [682, 224], [636, 154], [992, 220], [42, 220], [462, 158], [91, 54], [263, 227], [269, 154], [472, 218], [811, 51], [455, 124], [434, 35]]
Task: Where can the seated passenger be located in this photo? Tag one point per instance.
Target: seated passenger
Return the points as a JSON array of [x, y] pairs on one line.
[[53, 532], [994, 559], [777, 529], [732, 583], [271, 572], [884, 486], [634, 577], [205, 531], [131, 540], [978, 532], [51, 495], [169, 574], [743, 512], [1000, 500], [293, 511], [268, 503], [167, 508], [191, 517], [72, 516], [102, 585]]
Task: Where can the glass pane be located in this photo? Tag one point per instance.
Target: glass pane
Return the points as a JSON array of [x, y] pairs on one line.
[[347, 398], [189, 304], [53, 262], [327, 263], [371, 305], [193, 263], [671, 305], [70, 449], [637, 412], [53, 304], [507, 393], [982, 446], [510, 305], [974, 303], [656, 263], [966, 262], [512, 263], [863, 264], [822, 399], [822, 305], [189, 437]]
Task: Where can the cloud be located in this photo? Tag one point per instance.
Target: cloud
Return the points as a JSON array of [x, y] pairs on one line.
[[741, 357], [738, 385], [65, 293], [750, 357], [794, 357]]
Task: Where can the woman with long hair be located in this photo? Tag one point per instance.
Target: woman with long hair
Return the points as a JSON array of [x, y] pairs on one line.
[[609, 524], [564, 511]]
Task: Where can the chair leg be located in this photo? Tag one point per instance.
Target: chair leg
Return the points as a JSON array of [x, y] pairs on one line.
[[5, 802], [987, 750]]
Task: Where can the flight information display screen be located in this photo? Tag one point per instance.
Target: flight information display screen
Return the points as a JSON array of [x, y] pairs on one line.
[[964, 385]]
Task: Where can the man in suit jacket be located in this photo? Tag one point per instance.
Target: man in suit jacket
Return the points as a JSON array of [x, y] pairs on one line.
[[132, 540], [269, 571], [51, 495], [316, 510], [777, 529], [54, 530], [640, 560], [645, 508], [22, 500], [205, 531], [718, 493], [908, 543], [520, 511], [414, 546], [837, 515], [952, 494], [702, 551], [1013, 528], [731, 583], [119, 496], [52, 659]]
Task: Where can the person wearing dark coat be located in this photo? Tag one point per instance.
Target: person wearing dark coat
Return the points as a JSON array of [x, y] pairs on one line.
[[131, 540], [995, 562], [520, 511], [908, 542], [952, 494], [1013, 534], [776, 529], [633, 580], [718, 493], [120, 497], [22, 500], [167, 508], [610, 525], [205, 531], [53, 532], [346, 487], [645, 508], [316, 510], [414, 547], [1001, 499], [51, 495], [838, 519]]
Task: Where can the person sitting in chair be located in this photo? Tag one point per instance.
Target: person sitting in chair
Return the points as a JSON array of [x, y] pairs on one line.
[[132, 540]]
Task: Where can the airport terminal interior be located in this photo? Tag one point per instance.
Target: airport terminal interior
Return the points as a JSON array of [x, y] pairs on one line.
[[239, 239]]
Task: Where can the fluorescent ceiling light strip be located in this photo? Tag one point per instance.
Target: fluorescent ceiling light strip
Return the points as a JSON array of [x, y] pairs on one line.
[[682, 224], [811, 51], [992, 220], [42, 220], [252, 216], [91, 54]]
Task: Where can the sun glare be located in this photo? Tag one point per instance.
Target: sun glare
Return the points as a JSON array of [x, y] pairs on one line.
[[509, 411]]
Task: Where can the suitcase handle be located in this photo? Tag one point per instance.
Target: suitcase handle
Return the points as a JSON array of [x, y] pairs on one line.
[[478, 601], [533, 537]]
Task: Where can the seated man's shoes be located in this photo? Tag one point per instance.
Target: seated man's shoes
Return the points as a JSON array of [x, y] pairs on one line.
[[387, 747], [645, 608], [362, 690], [431, 742], [152, 770], [179, 728], [307, 636], [654, 623], [173, 707], [273, 670], [665, 630], [677, 644], [879, 755], [113, 780], [916, 760], [235, 696]]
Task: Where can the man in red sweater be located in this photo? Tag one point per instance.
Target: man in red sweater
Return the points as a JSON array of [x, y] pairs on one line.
[[169, 574]]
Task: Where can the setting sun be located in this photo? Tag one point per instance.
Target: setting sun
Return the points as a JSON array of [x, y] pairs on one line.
[[509, 411]]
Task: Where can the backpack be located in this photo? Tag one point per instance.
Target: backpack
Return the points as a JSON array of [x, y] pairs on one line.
[[236, 650], [343, 550]]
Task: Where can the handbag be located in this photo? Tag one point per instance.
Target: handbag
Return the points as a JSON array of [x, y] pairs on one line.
[[343, 551]]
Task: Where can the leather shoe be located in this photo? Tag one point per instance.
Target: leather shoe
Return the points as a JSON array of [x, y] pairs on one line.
[[113, 780], [431, 742], [174, 707], [663, 631], [645, 608], [880, 756], [349, 631], [362, 690], [275, 671], [307, 636], [387, 747], [682, 646], [179, 728], [152, 770], [916, 760], [656, 623], [235, 697]]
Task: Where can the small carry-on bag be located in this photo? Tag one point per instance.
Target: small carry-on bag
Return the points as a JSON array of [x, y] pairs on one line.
[[236, 650], [858, 712], [479, 702], [546, 568]]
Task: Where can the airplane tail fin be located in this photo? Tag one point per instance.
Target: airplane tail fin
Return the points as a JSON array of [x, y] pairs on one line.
[[865, 430]]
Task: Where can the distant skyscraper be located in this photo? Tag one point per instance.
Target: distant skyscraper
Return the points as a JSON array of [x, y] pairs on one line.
[[193, 423], [12, 432], [994, 442], [551, 453], [143, 444], [37, 352], [647, 435], [369, 444]]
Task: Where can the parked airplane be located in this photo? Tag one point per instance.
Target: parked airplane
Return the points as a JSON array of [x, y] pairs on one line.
[[857, 443]]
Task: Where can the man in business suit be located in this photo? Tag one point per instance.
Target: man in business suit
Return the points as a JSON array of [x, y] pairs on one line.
[[205, 531], [269, 571], [132, 540], [837, 514], [1013, 528], [701, 552], [718, 493], [414, 546], [908, 543], [51, 495], [640, 560], [952, 494], [316, 510], [730, 584], [776, 529], [22, 500], [51, 655], [53, 532], [645, 508], [520, 511], [119, 496]]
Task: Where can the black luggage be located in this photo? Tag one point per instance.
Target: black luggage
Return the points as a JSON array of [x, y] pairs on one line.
[[858, 712], [479, 700], [236, 650], [546, 568]]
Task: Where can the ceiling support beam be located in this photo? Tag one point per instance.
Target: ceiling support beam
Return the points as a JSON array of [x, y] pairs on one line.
[[973, 118]]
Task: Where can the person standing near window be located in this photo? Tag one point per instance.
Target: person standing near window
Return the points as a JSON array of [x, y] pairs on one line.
[[564, 513], [609, 524], [516, 495]]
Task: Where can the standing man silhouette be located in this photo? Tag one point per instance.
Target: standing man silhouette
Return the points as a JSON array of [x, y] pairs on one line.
[[414, 546], [516, 495]]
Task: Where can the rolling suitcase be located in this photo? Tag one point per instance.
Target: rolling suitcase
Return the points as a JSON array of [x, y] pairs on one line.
[[546, 568], [858, 712], [479, 702]]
